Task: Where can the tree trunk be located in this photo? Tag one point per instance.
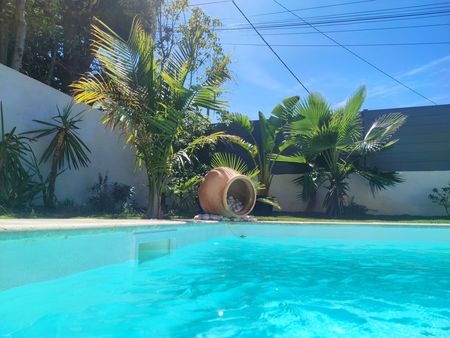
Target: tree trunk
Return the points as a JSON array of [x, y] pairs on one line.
[[51, 69], [21, 31], [49, 199], [4, 33], [154, 200]]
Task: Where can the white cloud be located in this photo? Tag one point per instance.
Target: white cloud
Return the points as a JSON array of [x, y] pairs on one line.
[[384, 90], [425, 66]]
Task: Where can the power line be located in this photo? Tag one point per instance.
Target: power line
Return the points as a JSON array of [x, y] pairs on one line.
[[209, 3], [315, 7], [270, 47], [360, 29], [307, 8], [341, 45], [363, 29], [365, 19], [357, 55], [416, 9]]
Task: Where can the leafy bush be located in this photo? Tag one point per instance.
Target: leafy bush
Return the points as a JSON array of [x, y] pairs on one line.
[[441, 197], [183, 196], [18, 170], [111, 197]]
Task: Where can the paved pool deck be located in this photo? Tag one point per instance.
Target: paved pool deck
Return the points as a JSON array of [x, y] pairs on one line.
[[27, 224], [37, 224]]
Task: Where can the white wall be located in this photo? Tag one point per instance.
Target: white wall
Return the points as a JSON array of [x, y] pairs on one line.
[[407, 198], [25, 99]]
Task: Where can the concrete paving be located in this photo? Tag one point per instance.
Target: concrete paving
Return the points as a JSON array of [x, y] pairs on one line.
[[35, 224]]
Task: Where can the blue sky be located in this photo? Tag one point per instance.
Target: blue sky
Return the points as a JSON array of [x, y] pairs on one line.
[[260, 81]]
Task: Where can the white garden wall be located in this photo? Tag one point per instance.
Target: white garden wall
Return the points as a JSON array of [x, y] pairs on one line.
[[25, 99], [407, 198]]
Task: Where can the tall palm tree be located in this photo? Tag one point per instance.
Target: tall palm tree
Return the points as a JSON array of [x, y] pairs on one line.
[[148, 100], [65, 150], [333, 145]]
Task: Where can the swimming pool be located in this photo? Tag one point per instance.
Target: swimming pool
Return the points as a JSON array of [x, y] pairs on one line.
[[244, 280]]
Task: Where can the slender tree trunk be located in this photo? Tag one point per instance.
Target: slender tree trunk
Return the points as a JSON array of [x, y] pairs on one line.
[[49, 199], [4, 33], [21, 31], [51, 69], [154, 199]]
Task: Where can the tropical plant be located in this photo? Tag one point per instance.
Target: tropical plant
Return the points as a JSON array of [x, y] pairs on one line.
[[183, 195], [110, 197], [149, 100], [334, 146], [233, 161], [263, 154], [441, 197], [65, 150], [17, 185]]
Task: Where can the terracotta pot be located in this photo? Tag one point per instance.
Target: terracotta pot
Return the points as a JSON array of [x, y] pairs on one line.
[[219, 184]]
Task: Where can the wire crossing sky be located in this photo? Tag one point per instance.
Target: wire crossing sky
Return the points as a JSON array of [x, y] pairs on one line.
[[356, 55], [401, 50], [273, 51]]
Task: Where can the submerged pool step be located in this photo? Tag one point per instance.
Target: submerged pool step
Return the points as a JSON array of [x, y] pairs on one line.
[[154, 249]]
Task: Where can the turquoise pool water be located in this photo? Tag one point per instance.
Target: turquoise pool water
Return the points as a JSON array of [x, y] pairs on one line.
[[247, 287]]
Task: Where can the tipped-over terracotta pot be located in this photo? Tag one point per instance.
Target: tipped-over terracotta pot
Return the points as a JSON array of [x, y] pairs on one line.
[[222, 184]]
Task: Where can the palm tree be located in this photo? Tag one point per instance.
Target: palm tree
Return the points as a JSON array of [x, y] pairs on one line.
[[17, 169], [333, 145], [149, 99], [263, 154], [66, 149]]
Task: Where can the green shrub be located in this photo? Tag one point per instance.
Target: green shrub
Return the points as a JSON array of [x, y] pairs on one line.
[[441, 197], [112, 197]]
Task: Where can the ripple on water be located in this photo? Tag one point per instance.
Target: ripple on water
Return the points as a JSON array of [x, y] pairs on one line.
[[246, 288]]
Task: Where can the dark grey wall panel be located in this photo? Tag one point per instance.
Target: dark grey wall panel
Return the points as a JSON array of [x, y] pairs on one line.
[[424, 139]]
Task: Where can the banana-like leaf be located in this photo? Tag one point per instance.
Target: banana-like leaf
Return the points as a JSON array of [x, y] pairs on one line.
[[271, 201], [295, 158]]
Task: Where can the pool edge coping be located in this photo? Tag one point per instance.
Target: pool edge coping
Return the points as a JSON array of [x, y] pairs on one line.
[[43, 224], [54, 224]]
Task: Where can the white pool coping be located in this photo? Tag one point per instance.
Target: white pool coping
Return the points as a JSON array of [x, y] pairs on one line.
[[32, 224], [27, 224]]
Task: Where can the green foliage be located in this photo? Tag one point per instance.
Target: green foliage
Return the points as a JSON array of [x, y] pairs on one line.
[[441, 197], [264, 154], [149, 100], [65, 150], [112, 198], [333, 144], [58, 32], [18, 186], [182, 196]]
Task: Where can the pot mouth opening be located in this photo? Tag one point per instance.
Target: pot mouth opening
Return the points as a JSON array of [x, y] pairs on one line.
[[240, 196]]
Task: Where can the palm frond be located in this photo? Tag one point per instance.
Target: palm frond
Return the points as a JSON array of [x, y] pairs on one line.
[[270, 201], [288, 109], [348, 120], [379, 180], [229, 160], [381, 132], [242, 121]]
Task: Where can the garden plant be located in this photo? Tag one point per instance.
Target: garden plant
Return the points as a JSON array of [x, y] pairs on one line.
[[334, 145]]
